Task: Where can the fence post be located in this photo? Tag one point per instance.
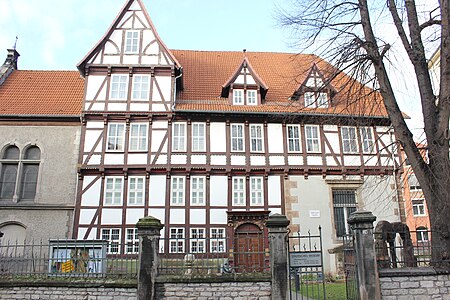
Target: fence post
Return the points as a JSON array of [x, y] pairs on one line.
[[148, 230], [277, 225], [361, 223]]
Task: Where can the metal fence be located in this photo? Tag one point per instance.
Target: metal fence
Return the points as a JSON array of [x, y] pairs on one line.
[[225, 255], [350, 268], [399, 250], [67, 258]]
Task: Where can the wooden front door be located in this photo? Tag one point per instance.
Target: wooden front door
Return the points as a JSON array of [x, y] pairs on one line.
[[248, 248]]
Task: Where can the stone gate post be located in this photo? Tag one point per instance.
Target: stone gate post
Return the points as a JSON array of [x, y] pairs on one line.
[[361, 223], [277, 225], [148, 230]]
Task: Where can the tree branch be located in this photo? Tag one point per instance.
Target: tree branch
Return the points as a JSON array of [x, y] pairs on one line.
[[429, 23]]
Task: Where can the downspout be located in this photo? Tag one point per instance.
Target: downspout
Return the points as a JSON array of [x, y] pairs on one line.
[[175, 89]]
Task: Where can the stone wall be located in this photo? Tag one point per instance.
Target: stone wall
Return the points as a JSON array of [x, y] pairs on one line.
[[68, 293], [207, 291], [414, 284]]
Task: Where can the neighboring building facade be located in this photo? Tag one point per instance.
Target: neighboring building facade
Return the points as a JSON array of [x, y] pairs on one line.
[[211, 143], [39, 138]]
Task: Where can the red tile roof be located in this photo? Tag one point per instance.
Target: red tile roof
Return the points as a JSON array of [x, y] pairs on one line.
[[42, 93], [204, 73]]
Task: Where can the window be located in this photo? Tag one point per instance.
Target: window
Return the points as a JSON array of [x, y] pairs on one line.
[[140, 87], [322, 100], [414, 184], [312, 138], [13, 168], [179, 137], [256, 138], [113, 190], [251, 97], [344, 203], [113, 238], [197, 240], [136, 188], [131, 41], [239, 190], [217, 241], [293, 138], [422, 234], [237, 137], [116, 136], [132, 241], [349, 140], [198, 137], [418, 206], [309, 99], [177, 190], [119, 87], [198, 190], [367, 139], [138, 137], [238, 98], [256, 190], [176, 240]]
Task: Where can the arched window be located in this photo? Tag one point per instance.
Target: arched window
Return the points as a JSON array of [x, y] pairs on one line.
[[422, 234], [13, 168]]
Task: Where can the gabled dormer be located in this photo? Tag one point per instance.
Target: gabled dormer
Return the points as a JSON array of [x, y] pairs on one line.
[[315, 91], [245, 87], [131, 40]]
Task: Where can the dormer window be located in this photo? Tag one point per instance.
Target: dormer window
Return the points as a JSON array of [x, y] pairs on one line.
[[131, 41], [315, 91], [244, 87], [238, 97]]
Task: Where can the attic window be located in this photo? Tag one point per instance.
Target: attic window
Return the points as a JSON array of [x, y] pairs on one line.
[[316, 99], [131, 41], [238, 98]]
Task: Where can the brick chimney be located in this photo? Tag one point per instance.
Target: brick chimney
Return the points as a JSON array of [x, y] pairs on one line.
[[9, 65]]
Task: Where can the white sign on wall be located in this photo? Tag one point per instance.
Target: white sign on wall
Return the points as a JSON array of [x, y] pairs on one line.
[[314, 213]]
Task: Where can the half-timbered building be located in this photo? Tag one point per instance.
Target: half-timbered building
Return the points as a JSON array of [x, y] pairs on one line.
[[212, 142]]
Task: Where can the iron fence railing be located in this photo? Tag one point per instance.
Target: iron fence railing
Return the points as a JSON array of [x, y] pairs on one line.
[[67, 258], [225, 255], [399, 250]]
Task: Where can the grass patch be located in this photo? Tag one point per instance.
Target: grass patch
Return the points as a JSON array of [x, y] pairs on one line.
[[333, 291]]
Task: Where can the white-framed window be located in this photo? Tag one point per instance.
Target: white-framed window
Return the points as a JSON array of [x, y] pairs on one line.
[[366, 139], [251, 97], [293, 137], [113, 190], [176, 240], [422, 234], [217, 240], [179, 137], [256, 138], [131, 41], [349, 140], [138, 137], [418, 206], [141, 85], [239, 191], [256, 190], [177, 186], [197, 240], [238, 97], [119, 87], [131, 241], [414, 184], [312, 138], [112, 235], [116, 137], [237, 137], [136, 190], [322, 100], [344, 203], [198, 137], [310, 100], [198, 184]]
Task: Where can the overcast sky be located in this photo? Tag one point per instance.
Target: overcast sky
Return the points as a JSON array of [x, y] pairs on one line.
[[57, 34]]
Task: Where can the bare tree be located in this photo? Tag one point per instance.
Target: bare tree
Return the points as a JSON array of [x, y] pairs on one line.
[[345, 32]]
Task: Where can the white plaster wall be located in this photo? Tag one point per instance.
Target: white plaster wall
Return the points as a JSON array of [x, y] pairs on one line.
[[218, 190], [91, 197], [157, 139], [274, 190], [197, 216], [275, 137], [177, 216], [218, 216], [94, 83], [133, 215], [218, 137], [111, 216], [157, 190]]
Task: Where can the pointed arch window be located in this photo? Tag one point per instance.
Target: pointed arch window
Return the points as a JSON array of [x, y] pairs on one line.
[[19, 176]]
